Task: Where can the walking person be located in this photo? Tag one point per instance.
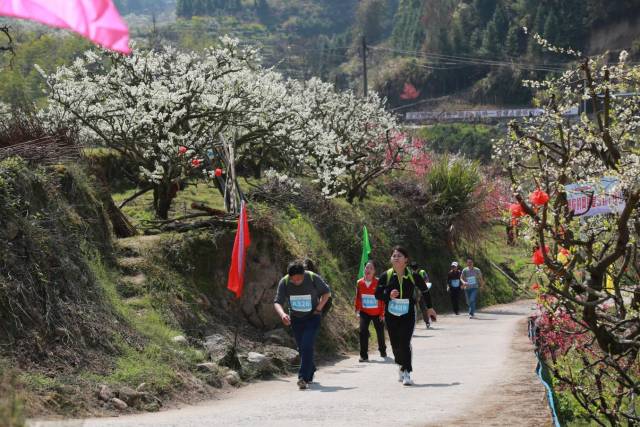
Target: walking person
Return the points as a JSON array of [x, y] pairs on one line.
[[306, 294], [396, 288], [472, 281], [421, 303], [369, 309], [453, 286]]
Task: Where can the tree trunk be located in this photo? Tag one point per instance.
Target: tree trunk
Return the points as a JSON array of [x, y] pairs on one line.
[[162, 197], [122, 227]]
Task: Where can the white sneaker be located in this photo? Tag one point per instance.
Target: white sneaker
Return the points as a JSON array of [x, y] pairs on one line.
[[407, 379], [400, 375]]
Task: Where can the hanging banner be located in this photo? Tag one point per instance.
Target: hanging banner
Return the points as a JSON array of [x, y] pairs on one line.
[[606, 197]]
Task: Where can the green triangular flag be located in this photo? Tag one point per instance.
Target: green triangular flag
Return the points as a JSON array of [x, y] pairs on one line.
[[366, 250]]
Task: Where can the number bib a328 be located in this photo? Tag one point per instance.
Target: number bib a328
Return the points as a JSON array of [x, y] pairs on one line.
[[300, 303], [455, 283], [472, 281], [369, 301], [399, 307]]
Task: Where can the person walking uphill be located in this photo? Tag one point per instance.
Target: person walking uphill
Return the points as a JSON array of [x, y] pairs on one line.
[[453, 286], [471, 278], [396, 288], [369, 309], [306, 294]]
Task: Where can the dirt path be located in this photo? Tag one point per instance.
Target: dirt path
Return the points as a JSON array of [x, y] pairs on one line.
[[468, 372]]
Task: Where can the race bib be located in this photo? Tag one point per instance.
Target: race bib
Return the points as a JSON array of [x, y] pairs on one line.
[[301, 303], [455, 283], [399, 307], [472, 281], [369, 301]]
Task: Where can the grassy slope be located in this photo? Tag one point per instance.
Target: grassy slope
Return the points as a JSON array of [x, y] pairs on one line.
[[179, 270]]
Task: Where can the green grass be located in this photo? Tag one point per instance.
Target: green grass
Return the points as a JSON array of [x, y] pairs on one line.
[[38, 382], [140, 210], [159, 360]]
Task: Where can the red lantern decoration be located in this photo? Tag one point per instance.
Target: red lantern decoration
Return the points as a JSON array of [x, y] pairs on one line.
[[516, 210], [196, 163], [539, 197], [181, 150], [218, 172], [538, 258], [535, 287]]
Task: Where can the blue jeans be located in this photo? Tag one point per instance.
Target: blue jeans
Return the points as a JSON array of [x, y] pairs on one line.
[[472, 295], [305, 331]]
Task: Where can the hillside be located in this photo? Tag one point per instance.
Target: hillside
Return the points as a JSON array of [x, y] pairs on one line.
[[455, 51], [157, 324]]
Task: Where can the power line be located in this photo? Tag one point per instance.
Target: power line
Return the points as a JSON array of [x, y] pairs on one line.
[[454, 59]]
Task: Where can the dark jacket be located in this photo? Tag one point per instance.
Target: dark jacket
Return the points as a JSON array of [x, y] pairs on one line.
[[408, 289]]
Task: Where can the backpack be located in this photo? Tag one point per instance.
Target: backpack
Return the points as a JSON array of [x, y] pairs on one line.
[[329, 303], [390, 273]]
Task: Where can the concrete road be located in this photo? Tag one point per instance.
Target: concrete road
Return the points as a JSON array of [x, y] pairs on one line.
[[467, 372]]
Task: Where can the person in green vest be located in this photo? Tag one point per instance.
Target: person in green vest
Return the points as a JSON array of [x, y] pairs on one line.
[[396, 288], [421, 304]]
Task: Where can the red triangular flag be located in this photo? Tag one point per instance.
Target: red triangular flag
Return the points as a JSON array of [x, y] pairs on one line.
[[236, 272]]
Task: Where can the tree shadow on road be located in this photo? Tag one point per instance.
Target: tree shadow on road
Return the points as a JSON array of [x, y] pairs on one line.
[[385, 361], [329, 389], [503, 312], [437, 384]]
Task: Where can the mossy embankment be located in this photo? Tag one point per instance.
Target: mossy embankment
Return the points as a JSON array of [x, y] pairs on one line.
[[148, 319]]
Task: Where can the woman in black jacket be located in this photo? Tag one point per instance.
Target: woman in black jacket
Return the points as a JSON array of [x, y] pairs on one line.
[[396, 288]]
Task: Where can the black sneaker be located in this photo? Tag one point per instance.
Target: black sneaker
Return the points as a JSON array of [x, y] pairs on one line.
[[383, 354], [363, 359], [302, 384]]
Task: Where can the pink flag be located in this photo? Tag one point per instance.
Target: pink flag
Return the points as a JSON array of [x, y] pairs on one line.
[[97, 20]]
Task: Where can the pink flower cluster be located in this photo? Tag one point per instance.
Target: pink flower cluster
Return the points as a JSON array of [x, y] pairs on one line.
[[558, 332]]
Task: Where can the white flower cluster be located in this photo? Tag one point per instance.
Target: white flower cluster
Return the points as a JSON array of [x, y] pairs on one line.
[[166, 109], [544, 43], [551, 150]]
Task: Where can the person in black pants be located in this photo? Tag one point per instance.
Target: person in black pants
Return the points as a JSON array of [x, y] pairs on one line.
[[369, 309], [453, 286], [396, 288]]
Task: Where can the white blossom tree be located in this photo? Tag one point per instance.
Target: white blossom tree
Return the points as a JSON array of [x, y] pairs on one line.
[[165, 110], [591, 264], [355, 139]]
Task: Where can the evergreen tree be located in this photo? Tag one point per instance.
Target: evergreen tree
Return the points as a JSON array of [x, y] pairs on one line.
[[184, 8], [444, 45], [370, 19], [551, 28], [484, 9], [501, 21], [408, 32], [263, 11], [516, 42], [490, 41]]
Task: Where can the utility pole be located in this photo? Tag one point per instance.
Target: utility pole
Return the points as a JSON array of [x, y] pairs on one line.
[[365, 88]]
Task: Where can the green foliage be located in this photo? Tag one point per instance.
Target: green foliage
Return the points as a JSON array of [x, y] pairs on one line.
[[372, 20], [471, 141], [20, 82], [408, 31], [451, 183], [143, 6], [570, 411]]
